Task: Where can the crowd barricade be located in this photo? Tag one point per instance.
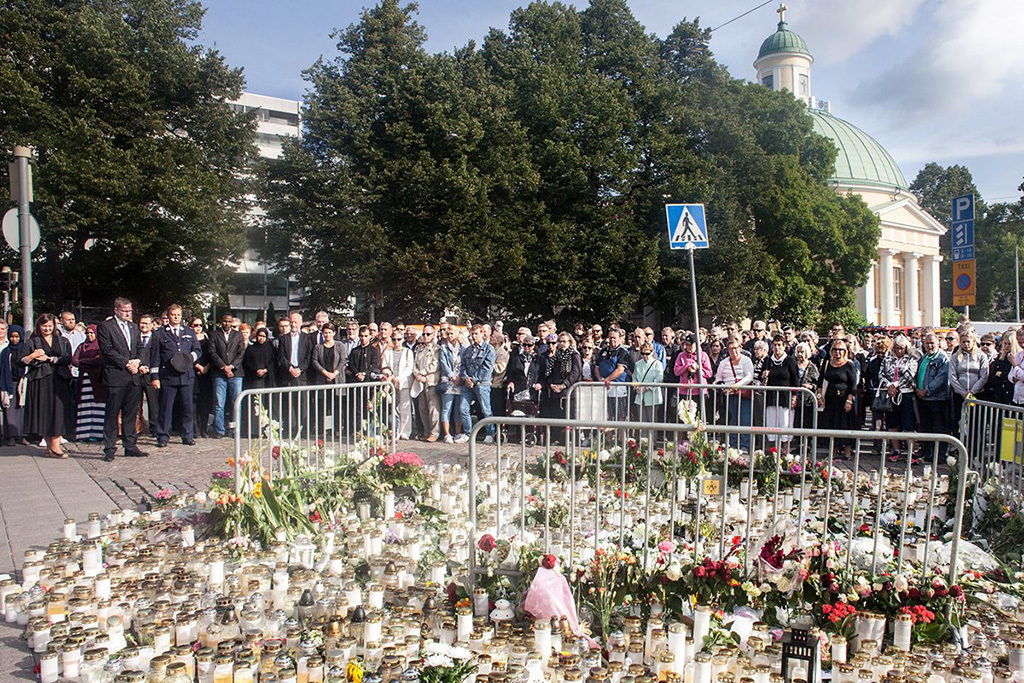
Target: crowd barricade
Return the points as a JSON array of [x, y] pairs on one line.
[[328, 424], [717, 404], [993, 434], [872, 512]]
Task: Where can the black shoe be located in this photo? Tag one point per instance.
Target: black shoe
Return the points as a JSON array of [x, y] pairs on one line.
[[189, 442], [161, 443], [215, 435], [108, 457], [136, 453]]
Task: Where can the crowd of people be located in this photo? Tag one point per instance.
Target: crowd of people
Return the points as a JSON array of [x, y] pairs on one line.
[[169, 374]]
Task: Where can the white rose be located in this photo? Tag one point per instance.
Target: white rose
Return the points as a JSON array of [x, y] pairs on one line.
[[674, 572]]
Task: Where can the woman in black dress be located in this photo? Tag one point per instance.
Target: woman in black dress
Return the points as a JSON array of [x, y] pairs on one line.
[[258, 367], [839, 389], [47, 355], [202, 392], [562, 370], [329, 360]]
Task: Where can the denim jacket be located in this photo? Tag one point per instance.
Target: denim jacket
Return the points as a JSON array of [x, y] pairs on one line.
[[936, 377], [478, 363], [446, 358]]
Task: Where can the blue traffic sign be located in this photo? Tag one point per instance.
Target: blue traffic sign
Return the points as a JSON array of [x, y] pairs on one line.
[[687, 226], [963, 233], [963, 208], [963, 253]]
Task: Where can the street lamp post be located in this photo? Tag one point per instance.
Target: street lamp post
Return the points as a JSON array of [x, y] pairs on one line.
[[21, 156]]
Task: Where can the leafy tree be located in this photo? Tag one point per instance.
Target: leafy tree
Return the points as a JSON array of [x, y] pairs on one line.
[[531, 174], [996, 234], [140, 177], [935, 187]]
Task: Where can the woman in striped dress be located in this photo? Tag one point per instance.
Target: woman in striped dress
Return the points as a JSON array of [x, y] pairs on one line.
[[91, 394]]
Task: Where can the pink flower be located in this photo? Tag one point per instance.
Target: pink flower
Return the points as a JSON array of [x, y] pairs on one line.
[[667, 546], [164, 494], [402, 459]]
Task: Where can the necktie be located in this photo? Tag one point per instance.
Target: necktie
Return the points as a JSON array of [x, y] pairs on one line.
[[127, 335]]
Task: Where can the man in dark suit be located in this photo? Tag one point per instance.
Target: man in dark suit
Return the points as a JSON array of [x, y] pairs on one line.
[[174, 352], [293, 354], [123, 373], [147, 332], [226, 351]]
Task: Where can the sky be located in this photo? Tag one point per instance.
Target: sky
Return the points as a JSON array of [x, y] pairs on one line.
[[931, 80]]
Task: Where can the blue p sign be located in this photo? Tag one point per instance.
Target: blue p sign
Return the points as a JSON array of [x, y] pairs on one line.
[[963, 208]]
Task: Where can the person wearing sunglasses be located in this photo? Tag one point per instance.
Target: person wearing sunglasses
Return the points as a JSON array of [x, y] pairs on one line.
[[426, 376]]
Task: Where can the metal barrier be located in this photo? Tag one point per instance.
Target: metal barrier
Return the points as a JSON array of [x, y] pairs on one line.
[[719, 404], [326, 422], [993, 434], [902, 504]]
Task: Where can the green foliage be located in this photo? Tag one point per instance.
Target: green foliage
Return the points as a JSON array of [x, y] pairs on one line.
[[139, 182], [849, 316], [948, 316], [530, 174], [996, 235]]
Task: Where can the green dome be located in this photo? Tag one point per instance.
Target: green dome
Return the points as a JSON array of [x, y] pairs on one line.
[[783, 40], [861, 160]]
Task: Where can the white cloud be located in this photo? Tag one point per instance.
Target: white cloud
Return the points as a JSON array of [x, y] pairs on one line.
[[972, 54], [841, 28]]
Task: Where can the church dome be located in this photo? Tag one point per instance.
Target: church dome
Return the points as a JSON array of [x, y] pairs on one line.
[[861, 160], [783, 41]]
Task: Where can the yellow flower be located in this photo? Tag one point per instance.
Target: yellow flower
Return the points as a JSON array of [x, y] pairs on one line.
[[257, 489], [354, 672]]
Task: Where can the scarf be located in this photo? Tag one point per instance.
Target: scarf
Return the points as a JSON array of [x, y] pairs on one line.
[[561, 359], [90, 361], [10, 372]]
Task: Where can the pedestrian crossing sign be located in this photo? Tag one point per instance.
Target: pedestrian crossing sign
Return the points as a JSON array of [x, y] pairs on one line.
[[687, 227]]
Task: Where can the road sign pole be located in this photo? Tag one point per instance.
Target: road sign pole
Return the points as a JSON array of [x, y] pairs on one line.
[[1016, 276], [21, 154], [696, 330]]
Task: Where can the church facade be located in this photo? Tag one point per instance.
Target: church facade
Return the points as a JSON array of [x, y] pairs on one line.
[[903, 284]]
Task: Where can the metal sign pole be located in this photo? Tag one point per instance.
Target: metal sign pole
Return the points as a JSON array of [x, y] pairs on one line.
[[696, 329], [1016, 276], [22, 154]]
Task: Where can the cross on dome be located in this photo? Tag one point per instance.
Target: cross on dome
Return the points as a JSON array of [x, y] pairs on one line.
[[782, 11]]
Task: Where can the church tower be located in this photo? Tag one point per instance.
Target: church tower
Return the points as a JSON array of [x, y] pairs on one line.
[[785, 62]]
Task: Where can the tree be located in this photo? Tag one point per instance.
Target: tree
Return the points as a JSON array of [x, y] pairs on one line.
[[996, 234], [530, 175], [140, 175], [935, 188]]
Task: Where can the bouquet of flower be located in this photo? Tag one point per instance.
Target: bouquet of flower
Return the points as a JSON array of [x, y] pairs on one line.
[[446, 664], [403, 470]]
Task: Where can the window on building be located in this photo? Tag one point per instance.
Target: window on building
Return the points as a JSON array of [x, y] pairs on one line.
[[768, 82], [805, 85], [897, 288]]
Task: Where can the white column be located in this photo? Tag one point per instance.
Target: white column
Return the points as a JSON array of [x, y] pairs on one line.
[[886, 314], [866, 298], [930, 295], [911, 300]]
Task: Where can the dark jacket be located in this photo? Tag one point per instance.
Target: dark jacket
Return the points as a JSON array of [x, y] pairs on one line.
[[553, 373], [258, 357], [284, 359], [364, 359], [163, 347], [224, 352], [522, 376], [321, 353], [38, 369], [117, 353]]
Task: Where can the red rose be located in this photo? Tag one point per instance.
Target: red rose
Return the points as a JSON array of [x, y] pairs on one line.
[[486, 543], [956, 591], [549, 561], [315, 517], [275, 452]]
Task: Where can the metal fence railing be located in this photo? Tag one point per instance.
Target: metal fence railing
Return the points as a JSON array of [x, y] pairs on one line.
[[717, 404], [993, 434], [878, 513], [325, 423]]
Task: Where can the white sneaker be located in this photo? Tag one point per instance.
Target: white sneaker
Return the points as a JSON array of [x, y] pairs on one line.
[[488, 439], [461, 438], [448, 438]]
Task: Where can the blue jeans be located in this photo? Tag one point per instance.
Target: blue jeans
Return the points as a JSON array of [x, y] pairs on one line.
[[482, 394], [447, 401], [225, 391], [739, 416]]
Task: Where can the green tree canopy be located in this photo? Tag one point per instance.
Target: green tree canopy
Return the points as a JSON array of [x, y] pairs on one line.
[[140, 174], [530, 174]]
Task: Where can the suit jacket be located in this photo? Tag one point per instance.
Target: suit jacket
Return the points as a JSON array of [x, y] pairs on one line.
[[284, 360], [117, 353], [164, 345], [228, 351], [38, 369], [320, 354]]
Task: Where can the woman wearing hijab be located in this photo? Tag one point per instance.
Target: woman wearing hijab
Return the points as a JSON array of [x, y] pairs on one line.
[[91, 394], [258, 366], [11, 372], [47, 355]]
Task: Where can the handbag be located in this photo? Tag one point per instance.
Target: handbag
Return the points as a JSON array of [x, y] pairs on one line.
[[881, 403]]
